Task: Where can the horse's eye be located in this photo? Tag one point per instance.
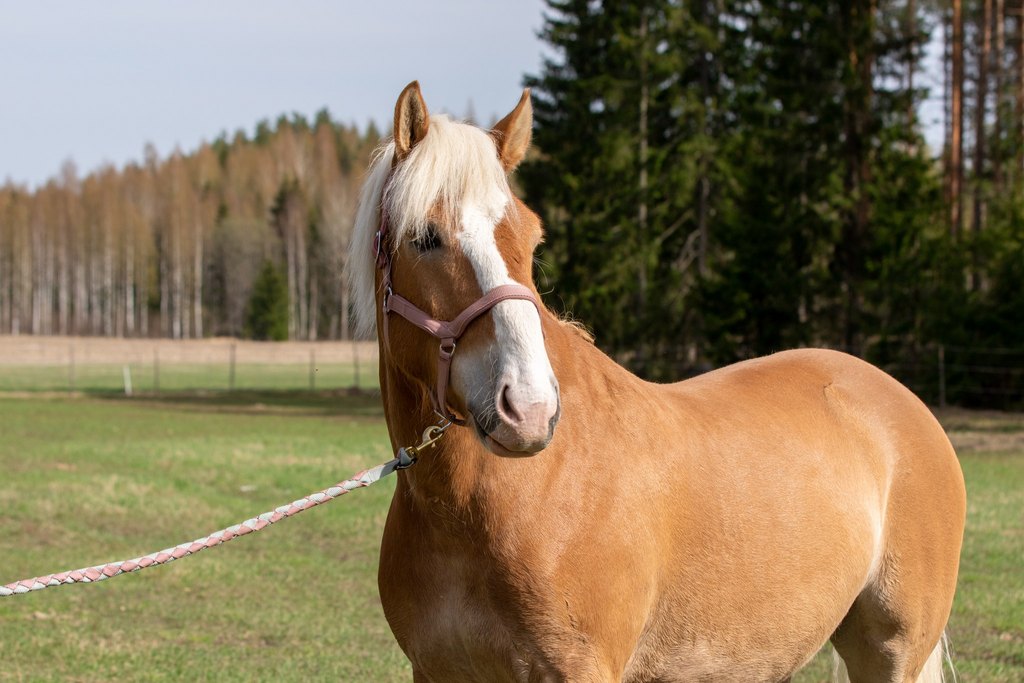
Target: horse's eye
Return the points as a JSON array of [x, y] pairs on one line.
[[429, 241]]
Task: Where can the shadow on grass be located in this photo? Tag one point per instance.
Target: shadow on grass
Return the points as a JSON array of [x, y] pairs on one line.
[[348, 402]]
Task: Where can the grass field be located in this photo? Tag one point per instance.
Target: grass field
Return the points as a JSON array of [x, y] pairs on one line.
[[88, 480]]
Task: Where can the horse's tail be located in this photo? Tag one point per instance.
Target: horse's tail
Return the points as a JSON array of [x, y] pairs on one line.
[[839, 673], [934, 670]]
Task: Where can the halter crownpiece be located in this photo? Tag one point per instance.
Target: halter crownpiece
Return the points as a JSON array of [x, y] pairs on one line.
[[447, 331]]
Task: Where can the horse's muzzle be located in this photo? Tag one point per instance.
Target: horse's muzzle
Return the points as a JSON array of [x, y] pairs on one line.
[[522, 421]]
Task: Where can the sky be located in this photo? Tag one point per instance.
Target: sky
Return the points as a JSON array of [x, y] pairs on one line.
[[95, 81]]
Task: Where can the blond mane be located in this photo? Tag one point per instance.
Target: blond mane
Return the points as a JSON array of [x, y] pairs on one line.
[[455, 164]]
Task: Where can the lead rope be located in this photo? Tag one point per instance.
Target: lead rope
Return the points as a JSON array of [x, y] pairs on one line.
[[406, 457]]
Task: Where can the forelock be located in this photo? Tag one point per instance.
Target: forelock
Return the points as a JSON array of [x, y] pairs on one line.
[[454, 166]]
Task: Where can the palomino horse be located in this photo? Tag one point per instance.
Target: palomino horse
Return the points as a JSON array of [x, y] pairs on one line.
[[582, 524]]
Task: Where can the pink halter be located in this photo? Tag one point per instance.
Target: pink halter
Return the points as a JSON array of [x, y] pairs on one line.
[[447, 331]]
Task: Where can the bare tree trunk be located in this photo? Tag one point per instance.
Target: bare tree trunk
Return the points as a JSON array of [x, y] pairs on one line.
[[95, 285], [165, 290], [129, 282], [5, 270], [17, 280], [302, 280], [177, 283], [63, 281], [911, 59], [292, 288], [81, 286], [36, 264], [108, 278], [346, 323], [979, 136], [5, 291], [117, 292], [314, 306], [142, 300], [947, 108], [956, 153], [860, 95], [703, 189], [997, 69], [1020, 99], [197, 287], [642, 181], [51, 272]]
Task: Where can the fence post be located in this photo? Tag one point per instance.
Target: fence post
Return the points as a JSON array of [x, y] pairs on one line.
[[156, 369], [126, 373], [71, 368], [231, 368], [312, 369], [942, 376]]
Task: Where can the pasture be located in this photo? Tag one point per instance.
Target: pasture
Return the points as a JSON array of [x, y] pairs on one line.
[[97, 478]]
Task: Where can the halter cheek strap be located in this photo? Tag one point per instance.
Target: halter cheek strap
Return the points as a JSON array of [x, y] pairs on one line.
[[448, 332]]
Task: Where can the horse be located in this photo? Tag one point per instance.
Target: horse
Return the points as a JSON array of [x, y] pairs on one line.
[[566, 520]]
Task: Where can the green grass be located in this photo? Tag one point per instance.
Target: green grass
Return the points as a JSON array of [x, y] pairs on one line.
[[89, 480], [109, 378]]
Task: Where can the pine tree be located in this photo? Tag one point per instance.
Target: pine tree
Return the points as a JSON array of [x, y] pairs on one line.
[[267, 318], [619, 121]]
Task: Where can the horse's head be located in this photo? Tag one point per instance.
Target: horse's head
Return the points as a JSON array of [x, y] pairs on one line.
[[452, 233]]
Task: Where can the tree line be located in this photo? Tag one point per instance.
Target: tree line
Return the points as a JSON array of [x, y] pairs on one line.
[[721, 179], [246, 236]]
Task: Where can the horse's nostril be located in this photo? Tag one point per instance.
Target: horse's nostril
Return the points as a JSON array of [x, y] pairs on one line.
[[506, 407]]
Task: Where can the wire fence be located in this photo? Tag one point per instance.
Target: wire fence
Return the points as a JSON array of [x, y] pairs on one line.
[[155, 366], [941, 375], [973, 377]]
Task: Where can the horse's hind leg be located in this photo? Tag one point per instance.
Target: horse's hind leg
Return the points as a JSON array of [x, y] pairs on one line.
[[882, 640], [893, 631]]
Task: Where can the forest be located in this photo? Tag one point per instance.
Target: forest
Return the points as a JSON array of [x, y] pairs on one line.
[[719, 179]]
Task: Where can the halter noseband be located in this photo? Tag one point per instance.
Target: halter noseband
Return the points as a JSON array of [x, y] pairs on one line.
[[446, 331]]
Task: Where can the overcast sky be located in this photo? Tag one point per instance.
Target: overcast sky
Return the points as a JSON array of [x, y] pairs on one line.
[[96, 81]]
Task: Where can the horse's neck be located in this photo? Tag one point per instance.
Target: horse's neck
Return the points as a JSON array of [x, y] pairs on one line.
[[443, 472], [459, 467]]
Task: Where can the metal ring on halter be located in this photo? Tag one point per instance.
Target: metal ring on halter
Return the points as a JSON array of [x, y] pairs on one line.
[[384, 300], [449, 351]]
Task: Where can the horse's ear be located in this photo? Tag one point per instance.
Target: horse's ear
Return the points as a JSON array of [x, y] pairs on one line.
[[512, 133], [411, 120]]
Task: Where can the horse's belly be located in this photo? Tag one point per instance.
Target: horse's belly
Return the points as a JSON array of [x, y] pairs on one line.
[[759, 609], [694, 662]]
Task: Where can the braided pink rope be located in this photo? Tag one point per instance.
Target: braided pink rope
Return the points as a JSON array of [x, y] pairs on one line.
[[102, 572]]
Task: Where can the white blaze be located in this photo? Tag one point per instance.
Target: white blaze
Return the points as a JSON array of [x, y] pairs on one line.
[[523, 363]]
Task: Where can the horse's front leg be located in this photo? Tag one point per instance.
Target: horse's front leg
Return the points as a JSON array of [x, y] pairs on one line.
[[588, 671]]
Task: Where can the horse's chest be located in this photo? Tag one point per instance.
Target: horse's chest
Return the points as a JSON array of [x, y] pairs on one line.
[[453, 627]]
